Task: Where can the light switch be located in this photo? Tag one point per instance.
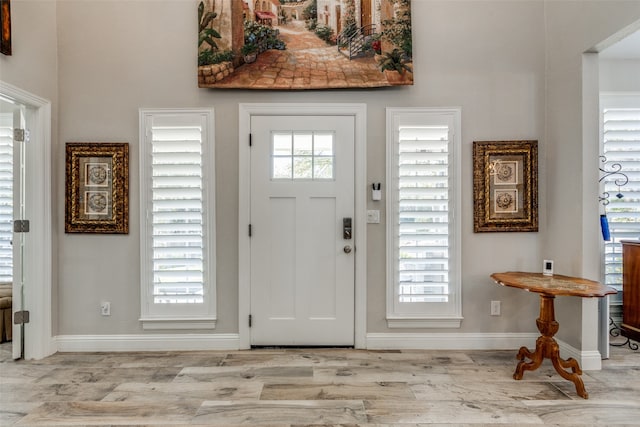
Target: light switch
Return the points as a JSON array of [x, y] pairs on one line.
[[373, 217]]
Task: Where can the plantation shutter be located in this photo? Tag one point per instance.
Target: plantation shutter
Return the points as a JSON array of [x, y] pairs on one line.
[[423, 229], [621, 145], [177, 210], [6, 198], [423, 214]]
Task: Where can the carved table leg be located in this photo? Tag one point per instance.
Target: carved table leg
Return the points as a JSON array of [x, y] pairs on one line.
[[547, 347], [536, 358]]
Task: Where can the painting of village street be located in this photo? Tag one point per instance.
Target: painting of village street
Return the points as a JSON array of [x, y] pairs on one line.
[[308, 44]]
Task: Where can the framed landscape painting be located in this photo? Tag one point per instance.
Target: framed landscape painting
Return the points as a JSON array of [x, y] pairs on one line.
[[308, 44]]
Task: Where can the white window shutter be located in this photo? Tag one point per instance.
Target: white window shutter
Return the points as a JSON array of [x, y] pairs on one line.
[[423, 214], [6, 198], [177, 212], [423, 231], [178, 237]]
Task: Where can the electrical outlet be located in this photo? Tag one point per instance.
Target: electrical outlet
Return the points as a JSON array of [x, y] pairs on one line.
[[105, 308], [495, 308]]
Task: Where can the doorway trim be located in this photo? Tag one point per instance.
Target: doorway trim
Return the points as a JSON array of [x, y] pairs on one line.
[[38, 339], [595, 315], [358, 111]]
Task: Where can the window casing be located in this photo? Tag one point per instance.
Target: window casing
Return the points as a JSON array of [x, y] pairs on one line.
[[177, 190], [423, 224], [620, 144]]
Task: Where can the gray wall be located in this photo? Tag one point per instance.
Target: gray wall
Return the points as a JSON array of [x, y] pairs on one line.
[[33, 67], [487, 57], [512, 78], [621, 75]]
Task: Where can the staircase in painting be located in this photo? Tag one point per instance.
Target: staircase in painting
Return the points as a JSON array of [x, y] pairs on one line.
[[356, 42]]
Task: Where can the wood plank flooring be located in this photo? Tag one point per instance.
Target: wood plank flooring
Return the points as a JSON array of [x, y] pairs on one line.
[[310, 387]]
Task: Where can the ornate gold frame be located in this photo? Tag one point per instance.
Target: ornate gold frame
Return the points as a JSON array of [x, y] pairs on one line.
[[505, 186], [97, 188], [5, 27]]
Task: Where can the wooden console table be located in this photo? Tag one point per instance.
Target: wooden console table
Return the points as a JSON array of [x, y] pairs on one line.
[[546, 346]]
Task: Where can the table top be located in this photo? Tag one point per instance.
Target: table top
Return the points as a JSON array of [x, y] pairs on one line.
[[552, 285]]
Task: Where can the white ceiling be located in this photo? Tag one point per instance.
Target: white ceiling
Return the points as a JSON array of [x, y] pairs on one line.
[[627, 48]]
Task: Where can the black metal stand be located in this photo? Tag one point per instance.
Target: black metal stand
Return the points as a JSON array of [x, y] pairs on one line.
[[615, 331]]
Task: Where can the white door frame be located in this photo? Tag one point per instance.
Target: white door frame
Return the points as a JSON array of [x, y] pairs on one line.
[[38, 336], [358, 111]]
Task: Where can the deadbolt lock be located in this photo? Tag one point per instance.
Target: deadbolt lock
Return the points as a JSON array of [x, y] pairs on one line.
[[347, 230]]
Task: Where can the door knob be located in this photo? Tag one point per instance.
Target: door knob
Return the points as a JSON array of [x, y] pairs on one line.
[[347, 249]]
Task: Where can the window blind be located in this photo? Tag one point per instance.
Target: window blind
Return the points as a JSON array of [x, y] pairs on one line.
[[423, 214], [423, 229], [177, 236], [621, 145], [6, 198]]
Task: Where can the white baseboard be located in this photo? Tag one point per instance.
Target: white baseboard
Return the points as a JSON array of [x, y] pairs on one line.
[[589, 360], [151, 342], [375, 341], [450, 341]]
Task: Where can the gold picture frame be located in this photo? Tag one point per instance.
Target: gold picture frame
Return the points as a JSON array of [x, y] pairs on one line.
[[97, 188], [5, 27], [505, 186]]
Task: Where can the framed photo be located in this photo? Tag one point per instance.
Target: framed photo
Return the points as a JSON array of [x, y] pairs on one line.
[[5, 24], [505, 186], [97, 188]]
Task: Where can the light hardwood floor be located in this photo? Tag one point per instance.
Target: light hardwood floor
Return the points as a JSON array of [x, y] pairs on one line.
[[311, 387]]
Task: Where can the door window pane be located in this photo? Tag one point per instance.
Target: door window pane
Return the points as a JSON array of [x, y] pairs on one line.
[[282, 144], [281, 168], [302, 156], [302, 167], [323, 168], [302, 144], [323, 144]]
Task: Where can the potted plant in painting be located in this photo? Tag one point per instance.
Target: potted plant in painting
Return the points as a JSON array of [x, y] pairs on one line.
[[249, 52], [394, 65]]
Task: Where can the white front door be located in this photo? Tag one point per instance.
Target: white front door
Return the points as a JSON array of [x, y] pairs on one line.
[[302, 260]]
